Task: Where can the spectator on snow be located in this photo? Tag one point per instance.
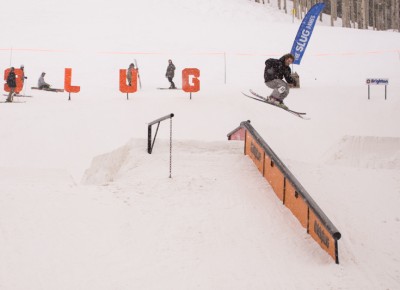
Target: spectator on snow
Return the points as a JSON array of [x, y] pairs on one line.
[[23, 77], [170, 73], [12, 84], [41, 83], [22, 68], [129, 74]]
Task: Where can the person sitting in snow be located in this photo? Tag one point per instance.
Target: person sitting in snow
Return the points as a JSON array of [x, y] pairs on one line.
[[41, 83], [275, 71]]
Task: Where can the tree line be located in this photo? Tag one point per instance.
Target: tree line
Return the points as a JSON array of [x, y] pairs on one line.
[[361, 14]]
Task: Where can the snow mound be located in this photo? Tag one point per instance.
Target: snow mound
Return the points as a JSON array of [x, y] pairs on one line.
[[105, 167], [367, 152], [128, 162]]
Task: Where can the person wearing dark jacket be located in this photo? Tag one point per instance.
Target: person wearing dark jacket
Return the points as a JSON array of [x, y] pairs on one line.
[[275, 71], [12, 84], [170, 73]]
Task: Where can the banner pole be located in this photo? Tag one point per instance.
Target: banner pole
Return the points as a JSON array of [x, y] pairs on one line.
[[385, 91], [11, 54], [225, 68]]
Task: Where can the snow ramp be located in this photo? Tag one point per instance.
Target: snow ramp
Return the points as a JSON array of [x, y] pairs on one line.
[[215, 173]]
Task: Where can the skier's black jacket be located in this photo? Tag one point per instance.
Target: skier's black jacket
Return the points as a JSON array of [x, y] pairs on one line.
[[11, 82], [276, 69], [170, 71]]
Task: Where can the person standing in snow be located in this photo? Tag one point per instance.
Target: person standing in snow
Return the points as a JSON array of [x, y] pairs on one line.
[[23, 77], [12, 84], [41, 83], [275, 71], [129, 73], [170, 73], [22, 68]]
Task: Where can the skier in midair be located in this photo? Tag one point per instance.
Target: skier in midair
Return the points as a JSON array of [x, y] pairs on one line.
[[275, 71]]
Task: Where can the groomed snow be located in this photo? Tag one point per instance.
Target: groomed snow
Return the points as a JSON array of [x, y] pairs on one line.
[[83, 206]]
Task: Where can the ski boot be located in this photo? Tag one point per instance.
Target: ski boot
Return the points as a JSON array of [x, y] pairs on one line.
[[277, 102]]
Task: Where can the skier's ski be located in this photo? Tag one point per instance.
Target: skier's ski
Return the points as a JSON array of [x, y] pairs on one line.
[[140, 82], [13, 102], [260, 98], [19, 95], [49, 89], [266, 100]]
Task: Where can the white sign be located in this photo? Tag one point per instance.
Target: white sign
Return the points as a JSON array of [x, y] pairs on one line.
[[378, 82]]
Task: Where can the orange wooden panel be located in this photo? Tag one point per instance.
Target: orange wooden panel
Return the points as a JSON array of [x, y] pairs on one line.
[[255, 152], [321, 235], [274, 176], [187, 86], [238, 135], [296, 204], [123, 86], [67, 82]]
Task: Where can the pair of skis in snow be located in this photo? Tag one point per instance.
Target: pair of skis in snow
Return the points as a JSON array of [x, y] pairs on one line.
[[169, 89], [49, 89], [27, 96], [140, 81], [13, 102], [253, 95], [15, 95], [19, 95]]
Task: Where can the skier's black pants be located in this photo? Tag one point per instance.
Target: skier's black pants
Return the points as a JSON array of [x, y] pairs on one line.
[[172, 83]]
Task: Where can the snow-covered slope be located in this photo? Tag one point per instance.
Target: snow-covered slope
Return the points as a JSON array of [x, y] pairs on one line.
[[216, 224]]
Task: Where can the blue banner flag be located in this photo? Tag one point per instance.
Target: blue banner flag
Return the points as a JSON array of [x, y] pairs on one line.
[[304, 34]]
